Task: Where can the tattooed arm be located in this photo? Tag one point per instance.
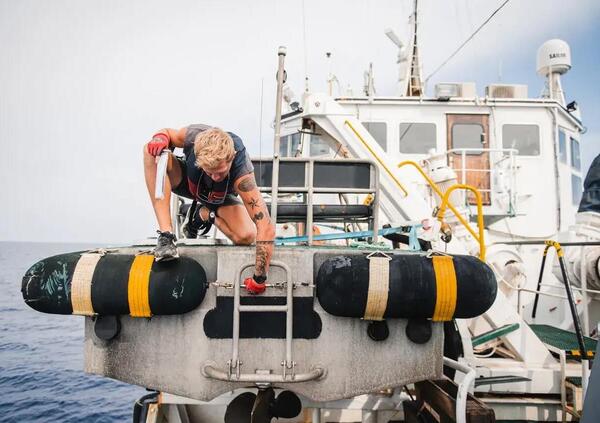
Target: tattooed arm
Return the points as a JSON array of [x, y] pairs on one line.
[[265, 231]]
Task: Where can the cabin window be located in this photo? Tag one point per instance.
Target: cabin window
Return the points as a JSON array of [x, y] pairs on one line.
[[318, 147], [378, 131], [289, 144], [562, 146], [576, 189], [468, 136], [524, 138], [417, 138], [575, 157]]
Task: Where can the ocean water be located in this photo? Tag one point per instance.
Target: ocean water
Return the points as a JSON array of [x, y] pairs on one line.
[[41, 355]]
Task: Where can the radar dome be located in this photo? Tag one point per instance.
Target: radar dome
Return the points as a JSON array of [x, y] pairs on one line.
[[553, 56]]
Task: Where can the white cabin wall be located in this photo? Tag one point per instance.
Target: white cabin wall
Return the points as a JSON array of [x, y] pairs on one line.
[[566, 170], [396, 115], [536, 205], [535, 181]]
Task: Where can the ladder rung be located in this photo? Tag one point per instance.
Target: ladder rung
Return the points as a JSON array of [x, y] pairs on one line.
[[258, 308]]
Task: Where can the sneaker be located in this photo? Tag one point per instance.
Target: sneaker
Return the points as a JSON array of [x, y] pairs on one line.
[[193, 225], [190, 223], [165, 247]]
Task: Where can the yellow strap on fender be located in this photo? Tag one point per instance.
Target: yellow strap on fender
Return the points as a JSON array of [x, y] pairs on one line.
[[81, 284], [445, 282], [137, 289], [379, 287]]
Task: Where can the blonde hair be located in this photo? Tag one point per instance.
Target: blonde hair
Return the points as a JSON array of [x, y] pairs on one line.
[[212, 147]]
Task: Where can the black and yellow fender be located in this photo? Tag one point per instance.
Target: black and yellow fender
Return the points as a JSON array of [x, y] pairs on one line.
[[405, 285], [114, 284]]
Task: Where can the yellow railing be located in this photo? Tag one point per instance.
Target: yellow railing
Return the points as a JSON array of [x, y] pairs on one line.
[[445, 203], [379, 160], [444, 196], [432, 184], [555, 245]]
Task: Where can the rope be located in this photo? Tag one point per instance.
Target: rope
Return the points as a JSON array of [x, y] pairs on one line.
[[466, 41]]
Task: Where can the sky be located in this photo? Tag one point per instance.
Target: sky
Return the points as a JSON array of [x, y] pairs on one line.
[[84, 84]]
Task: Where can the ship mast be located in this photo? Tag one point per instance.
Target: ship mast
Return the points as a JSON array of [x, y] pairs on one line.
[[415, 80]]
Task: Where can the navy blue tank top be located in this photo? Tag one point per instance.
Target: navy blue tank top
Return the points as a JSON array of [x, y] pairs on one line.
[[201, 186]]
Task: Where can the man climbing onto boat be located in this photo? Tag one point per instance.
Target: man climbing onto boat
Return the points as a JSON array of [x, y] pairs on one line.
[[216, 168]]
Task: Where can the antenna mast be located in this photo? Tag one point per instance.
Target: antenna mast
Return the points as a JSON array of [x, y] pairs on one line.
[[415, 81]]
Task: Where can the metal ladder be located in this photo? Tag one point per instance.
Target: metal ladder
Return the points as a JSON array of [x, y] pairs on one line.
[[288, 373]]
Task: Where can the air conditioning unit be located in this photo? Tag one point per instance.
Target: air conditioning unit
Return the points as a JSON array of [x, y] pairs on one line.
[[451, 89], [506, 91]]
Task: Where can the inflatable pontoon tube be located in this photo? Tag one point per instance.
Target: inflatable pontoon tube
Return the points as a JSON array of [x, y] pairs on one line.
[[405, 285], [114, 284]]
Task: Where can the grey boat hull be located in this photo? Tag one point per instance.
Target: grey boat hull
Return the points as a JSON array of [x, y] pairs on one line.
[[172, 353]]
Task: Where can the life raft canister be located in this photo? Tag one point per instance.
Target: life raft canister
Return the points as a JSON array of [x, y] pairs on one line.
[[114, 284], [405, 285]]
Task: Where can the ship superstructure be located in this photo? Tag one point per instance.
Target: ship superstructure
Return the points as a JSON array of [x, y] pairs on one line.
[[523, 155]]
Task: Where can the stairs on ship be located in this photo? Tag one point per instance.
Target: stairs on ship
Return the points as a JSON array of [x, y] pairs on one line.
[[436, 402], [564, 340], [565, 344]]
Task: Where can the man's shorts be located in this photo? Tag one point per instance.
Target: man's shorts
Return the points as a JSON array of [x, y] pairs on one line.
[[183, 189]]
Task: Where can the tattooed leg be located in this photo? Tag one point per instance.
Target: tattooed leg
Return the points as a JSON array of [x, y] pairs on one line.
[[234, 222]]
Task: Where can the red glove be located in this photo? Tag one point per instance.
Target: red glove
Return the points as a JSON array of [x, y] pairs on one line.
[[158, 143], [254, 287]]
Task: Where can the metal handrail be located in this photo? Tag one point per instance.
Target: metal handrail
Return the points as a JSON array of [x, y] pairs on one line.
[[585, 363], [288, 375], [574, 314], [483, 150], [563, 376], [550, 285], [446, 203], [277, 137], [211, 371], [463, 388], [237, 308], [309, 189], [439, 192], [507, 154]]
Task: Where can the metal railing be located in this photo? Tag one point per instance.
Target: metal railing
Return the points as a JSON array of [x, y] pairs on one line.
[[549, 244], [502, 170], [288, 373], [445, 198], [463, 388], [308, 188], [446, 203]]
